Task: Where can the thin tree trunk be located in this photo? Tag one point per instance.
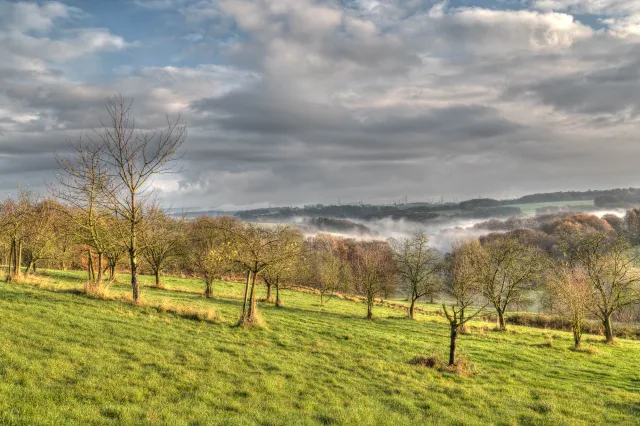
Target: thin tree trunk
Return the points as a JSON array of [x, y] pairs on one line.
[[19, 259], [278, 302], [608, 330], [209, 288], [501, 323], [10, 268], [133, 244], [244, 303], [252, 301], [577, 335], [99, 267], [269, 292], [157, 274], [412, 307], [90, 265], [369, 308], [452, 344]]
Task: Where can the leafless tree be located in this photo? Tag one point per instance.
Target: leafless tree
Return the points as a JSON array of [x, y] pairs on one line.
[[373, 271], [419, 267], [611, 267], [464, 285], [134, 158], [570, 295], [508, 271], [162, 241], [83, 178]]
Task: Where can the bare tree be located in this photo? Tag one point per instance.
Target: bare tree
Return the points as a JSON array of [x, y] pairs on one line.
[[134, 159], [82, 180], [570, 295], [419, 267], [464, 285], [373, 271], [611, 267], [14, 218], [162, 241], [508, 271]]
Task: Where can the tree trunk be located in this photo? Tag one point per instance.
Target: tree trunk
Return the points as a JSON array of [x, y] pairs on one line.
[[209, 288], [269, 295], [278, 302], [452, 344], [157, 274], [412, 308], [577, 335], [99, 267], [90, 272], [608, 331], [29, 266], [370, 308], [501, 323], [10, 267], [19, 259], [34, 266], [133, 253], [246, 293], [252, 301]]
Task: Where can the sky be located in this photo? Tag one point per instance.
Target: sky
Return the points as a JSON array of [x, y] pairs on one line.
[[290, 102]]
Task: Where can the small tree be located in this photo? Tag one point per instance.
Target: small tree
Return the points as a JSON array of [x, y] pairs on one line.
[[508, 271], [570, 296], [373, 271], [82, 180], [254, 248], [464, 285], [162, 241], [419, 267], [14, 219], [209, 244], [611, 267]]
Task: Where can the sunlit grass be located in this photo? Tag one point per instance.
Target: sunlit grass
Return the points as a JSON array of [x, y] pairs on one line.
[[67, 358]]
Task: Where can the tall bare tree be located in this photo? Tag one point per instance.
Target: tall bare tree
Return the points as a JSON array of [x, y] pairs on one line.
[[134, 158], [419, 267]]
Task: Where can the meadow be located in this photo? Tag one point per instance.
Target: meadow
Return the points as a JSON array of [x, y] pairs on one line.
[[66, 358], [529, 209]]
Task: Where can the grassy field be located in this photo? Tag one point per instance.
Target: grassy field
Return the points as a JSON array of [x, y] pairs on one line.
[[529, 209], [66, 358]]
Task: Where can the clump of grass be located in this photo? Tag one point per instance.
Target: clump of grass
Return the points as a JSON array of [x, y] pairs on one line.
[[548, 343], [463, 366], [586, 350], [198, 314], [98, 290], [432, 361], [34, 280]]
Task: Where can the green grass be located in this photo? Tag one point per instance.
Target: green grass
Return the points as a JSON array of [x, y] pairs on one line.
[[529, 209], [69, 359]]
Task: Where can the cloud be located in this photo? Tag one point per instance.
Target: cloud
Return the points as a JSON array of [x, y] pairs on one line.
[[294, 101]]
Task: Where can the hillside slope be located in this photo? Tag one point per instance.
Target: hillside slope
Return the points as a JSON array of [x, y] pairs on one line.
[[69, 359]]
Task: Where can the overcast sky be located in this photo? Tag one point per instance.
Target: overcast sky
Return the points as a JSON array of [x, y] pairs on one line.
[[301, 101]]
